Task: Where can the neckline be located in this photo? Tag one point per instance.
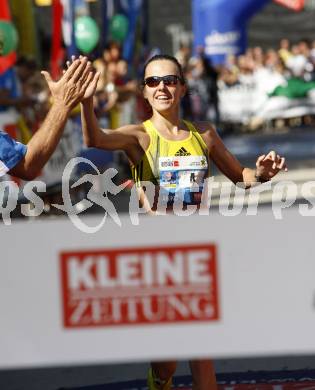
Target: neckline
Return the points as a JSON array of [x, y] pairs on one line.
[[171, 140]]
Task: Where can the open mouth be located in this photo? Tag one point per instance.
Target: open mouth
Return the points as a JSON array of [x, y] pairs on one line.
[[162, 98]]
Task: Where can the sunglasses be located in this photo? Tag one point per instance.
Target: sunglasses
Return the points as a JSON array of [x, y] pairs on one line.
[[169, 80]]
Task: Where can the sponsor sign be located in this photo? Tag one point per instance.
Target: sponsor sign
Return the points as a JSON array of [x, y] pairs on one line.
[[183, 176], [139, 286]]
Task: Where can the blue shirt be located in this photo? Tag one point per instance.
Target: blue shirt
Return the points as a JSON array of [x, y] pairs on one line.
[[8, 81], [11, 152]]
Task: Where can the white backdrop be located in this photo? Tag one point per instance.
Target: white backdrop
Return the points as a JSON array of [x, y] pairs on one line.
[[266, 286]]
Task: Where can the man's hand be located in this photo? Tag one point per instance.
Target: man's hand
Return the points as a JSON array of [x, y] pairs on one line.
[[267, 166], [91, 88], [71, 88]]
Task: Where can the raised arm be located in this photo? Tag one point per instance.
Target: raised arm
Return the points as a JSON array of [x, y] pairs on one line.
[[66, 93], [267, 166], [124, 138]]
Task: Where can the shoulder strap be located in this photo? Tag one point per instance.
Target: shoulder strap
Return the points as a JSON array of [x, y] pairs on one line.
[[148, 125]]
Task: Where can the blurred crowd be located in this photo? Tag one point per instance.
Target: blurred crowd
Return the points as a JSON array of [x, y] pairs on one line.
[[287, 71], [288, 60], [25, 99], [118, 99]]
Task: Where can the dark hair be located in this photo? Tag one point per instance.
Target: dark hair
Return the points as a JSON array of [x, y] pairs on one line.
[[166, 57]]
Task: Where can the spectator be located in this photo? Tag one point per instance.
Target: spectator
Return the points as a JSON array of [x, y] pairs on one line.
[[284, 50]]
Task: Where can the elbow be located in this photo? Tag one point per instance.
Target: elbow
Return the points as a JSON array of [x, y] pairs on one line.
[[30, 174], [27, 175], [24, 172], [90, 143]]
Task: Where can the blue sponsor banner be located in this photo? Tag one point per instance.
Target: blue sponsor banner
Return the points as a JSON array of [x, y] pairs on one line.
[[132, 9], [220, 26]]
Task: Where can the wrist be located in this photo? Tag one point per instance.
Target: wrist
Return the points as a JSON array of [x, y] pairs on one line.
[[260, 178], [87, 102], [60, 109]]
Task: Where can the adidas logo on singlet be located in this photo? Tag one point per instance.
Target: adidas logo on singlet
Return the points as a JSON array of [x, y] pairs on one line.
[[182, 152]]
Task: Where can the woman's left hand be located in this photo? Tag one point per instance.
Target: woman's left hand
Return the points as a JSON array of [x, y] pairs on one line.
[[267, 166]]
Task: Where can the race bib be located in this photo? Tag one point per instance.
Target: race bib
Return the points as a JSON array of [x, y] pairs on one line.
[[183, 176]]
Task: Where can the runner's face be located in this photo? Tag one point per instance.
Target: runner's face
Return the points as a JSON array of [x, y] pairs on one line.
[[163, 98]]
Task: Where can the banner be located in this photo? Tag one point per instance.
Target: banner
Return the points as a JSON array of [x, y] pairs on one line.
[[135, 11], [219, 26], [296, 5], [136, 286], [137, 292], [68, 26], [57, 53], [240, 104], [64, 14], [132, 9], [23, 16]]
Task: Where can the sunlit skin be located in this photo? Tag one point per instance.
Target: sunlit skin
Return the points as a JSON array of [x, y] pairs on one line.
[[163, 99]]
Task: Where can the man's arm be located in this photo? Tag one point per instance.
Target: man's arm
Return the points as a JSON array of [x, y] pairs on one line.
[[66, 94], [42, 144]]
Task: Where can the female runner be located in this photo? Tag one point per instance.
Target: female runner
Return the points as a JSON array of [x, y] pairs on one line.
[[175, 156]]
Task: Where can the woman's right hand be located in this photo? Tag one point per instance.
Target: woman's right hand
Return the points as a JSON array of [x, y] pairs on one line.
[[91, 88]]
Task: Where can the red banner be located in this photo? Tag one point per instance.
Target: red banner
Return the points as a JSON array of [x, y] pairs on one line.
[[8, 61], [296, 5], [57, 52], [139, 286]]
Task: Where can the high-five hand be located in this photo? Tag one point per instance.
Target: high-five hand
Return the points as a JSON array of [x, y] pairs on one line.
[[91, 88], [70, 89]]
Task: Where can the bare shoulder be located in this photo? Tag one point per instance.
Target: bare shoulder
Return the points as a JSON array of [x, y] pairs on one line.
[[204, 127], [134, 136], [132, 129], [207, 131]]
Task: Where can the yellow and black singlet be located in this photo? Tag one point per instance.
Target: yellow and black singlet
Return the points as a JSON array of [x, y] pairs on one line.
[[178, 168]]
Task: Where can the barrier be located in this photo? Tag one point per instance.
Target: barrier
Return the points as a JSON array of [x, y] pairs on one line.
[[213, 285], [241, 103]]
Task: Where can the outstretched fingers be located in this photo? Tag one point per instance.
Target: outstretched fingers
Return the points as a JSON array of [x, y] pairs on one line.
[[72, 68], [272, 156], [282, 165], [79, 72], [47, 77], [278, 162], [260, 160], [86, 72], [90, 84]]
